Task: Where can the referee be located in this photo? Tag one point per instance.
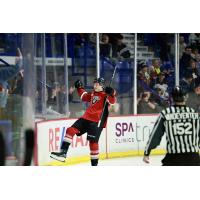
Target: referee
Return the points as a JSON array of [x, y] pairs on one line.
[[181, 125]]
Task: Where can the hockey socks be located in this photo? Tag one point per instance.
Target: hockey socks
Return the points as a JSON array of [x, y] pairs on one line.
[[70, 132]]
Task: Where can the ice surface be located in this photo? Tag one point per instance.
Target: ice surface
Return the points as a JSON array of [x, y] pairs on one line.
[[128, 161]]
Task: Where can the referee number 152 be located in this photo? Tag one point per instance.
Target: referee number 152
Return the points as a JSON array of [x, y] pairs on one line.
[[182, 128]]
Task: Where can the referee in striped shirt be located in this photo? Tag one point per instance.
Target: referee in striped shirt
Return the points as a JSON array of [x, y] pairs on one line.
[[181, 125]]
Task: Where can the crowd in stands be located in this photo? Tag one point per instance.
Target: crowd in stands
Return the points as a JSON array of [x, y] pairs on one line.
[[157, 78], [154, 80], [190, 70], [112, 46]]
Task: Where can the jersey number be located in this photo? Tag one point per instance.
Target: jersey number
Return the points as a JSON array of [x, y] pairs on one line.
[[182, 128]]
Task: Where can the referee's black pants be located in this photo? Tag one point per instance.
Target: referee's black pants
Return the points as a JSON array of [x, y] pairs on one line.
[[181, 159]]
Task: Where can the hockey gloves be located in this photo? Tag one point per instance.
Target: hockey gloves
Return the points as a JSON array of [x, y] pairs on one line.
[[109, 91], [78, 84]]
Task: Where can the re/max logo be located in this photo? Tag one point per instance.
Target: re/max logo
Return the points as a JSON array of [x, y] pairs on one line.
[[56, 135]]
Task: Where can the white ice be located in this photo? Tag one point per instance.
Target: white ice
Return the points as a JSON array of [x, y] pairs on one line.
[[128, 161]]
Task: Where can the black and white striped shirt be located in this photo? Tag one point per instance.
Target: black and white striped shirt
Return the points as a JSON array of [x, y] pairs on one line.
[[181, 125]]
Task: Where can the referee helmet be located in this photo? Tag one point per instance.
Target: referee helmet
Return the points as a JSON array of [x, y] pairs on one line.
[[178, 94]]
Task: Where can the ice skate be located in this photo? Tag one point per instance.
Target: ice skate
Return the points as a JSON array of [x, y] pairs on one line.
[[60, 156]]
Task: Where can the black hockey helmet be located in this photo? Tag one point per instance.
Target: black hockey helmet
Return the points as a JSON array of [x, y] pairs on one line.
[[178, 94], [100, 80]]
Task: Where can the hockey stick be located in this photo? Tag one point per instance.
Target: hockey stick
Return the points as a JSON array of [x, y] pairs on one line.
[[104, 106]]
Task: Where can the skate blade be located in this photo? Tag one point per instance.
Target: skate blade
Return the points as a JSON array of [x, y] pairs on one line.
[[58, 159]]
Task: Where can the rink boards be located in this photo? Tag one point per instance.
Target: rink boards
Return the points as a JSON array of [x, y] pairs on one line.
[[123, 136]]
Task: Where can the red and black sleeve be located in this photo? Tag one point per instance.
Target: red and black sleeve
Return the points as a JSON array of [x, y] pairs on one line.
[[85, 96]]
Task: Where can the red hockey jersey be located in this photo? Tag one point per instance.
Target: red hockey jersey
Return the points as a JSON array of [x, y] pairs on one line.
[[96, 99]]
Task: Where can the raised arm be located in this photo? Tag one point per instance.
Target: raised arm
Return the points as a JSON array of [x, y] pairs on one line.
[[111, 99], [84, 95]]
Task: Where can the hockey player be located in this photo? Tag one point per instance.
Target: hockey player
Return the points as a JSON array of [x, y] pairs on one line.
[[181, 125], [89, 121]]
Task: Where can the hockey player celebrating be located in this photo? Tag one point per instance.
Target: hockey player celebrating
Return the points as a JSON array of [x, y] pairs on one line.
[[181, 125], [89, 122]]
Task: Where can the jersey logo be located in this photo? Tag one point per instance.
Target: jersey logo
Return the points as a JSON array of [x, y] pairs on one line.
[[95, 99]]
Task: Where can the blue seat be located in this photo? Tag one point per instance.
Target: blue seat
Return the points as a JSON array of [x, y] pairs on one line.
[[123, 77]]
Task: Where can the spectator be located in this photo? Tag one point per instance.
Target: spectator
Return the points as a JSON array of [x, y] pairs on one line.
[[195, 54], [186, 58], [161, 99], [187, 83], [155, 70], [161, 87], [145, 105], [119, 49], [113, 37], [161, 79], [163, 90], [7, 73], [105, 46], [52, 94], [194, 39], [182, 46], [62, 98], [81, 38], [57, 97], [143, 73], [194, 97], [192, 69]]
